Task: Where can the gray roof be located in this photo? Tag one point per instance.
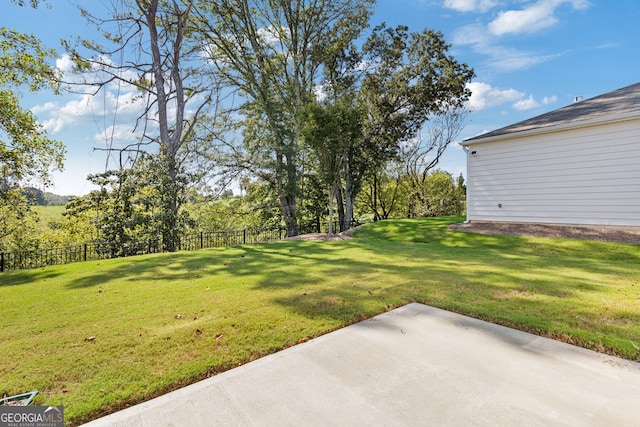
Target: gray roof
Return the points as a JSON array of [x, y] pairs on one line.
[[621, 101]]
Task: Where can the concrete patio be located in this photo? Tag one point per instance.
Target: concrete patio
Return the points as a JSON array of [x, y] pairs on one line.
[[413, 366]]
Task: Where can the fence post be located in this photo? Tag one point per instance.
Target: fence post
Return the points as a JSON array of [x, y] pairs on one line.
[[85, 251], [244, 237], [1, 262], [201, 240]]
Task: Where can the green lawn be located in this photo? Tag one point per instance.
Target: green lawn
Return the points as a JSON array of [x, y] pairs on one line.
[[98, 336]]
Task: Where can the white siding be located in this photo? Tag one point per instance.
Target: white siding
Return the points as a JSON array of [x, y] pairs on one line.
[[588, 175]]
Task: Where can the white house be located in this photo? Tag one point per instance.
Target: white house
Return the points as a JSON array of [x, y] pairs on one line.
[[576, 165]]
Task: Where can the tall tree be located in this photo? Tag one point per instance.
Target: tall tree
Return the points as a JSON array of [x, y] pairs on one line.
[[27, 154], [401, 80], [274, 51], [151, 46], [330, 131], [129, 208], [420, 156]]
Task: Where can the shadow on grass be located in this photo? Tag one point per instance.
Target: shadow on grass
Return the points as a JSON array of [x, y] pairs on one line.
[[23, 277], [545, 284], [541, 285], [272, 259]]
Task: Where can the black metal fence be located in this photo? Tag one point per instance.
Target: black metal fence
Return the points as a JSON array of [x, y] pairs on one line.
[[102, 250]]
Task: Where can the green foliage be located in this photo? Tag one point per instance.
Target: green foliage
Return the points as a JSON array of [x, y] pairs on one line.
[[18, 222], [414, 77], [56, 228], [257, 208], [442, 196], [398, 81], [27, 155], [391, 194], [136, 205], [23, 61], [274, 52], [313, 200], [333, 131], [385, 193]]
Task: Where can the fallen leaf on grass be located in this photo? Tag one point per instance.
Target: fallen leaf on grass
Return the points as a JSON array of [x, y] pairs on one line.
[[218, 336], [301, 340], [90, 339], [178, 316], [198, 332]]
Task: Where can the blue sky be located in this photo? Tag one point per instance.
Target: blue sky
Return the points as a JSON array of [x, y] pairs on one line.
[[530, 57]]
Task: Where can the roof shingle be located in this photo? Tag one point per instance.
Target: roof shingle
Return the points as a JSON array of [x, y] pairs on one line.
[[624, 100]]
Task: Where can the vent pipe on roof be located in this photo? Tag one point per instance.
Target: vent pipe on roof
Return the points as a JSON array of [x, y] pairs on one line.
[[577, 99]]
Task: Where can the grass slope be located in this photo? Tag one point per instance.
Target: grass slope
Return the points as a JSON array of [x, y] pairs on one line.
[[47, 214], [98, 336]]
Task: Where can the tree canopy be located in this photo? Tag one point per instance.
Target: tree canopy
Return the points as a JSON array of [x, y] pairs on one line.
[[299, 97], [27, 154]]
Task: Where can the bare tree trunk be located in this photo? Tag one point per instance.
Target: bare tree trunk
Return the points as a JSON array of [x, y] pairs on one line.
[[286, 184], [330, 231], [349, 199], [340, 206]]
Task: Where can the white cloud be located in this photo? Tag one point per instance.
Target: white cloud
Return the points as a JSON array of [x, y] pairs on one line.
[[65, 64], [499, 57], [527, 20], [118, 135], [484, 96], [485, 38], [54, 125], [320, 92], [82, 107], [126, 106], [98, 73], [470, 5], [44, 108], [474, 34], [271, 35], [508, 59], [535, 17], [526, 104]]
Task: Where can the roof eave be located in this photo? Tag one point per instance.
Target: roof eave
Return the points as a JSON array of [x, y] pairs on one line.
[[554, 128]]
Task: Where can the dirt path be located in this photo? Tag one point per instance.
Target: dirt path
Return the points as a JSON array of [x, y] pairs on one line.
[[602, 234]]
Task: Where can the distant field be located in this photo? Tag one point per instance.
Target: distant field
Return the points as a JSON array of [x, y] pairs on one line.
[[47, 214]]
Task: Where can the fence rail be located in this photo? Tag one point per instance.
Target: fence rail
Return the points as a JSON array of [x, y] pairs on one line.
[[103, 250]]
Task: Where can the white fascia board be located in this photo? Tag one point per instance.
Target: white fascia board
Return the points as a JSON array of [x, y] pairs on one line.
[[634, 115]]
